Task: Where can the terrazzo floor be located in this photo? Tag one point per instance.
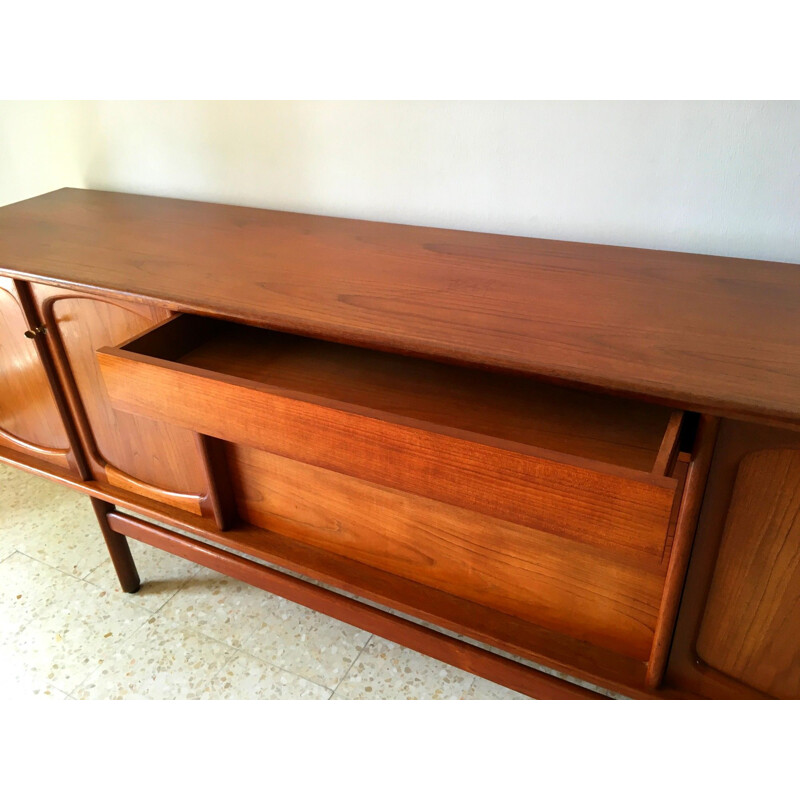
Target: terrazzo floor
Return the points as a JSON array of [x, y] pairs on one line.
[[68, 632]]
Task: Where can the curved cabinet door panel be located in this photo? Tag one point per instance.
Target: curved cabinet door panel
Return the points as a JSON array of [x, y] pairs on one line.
[[150, 458], [751, 626], [30, 421], [738, 629]]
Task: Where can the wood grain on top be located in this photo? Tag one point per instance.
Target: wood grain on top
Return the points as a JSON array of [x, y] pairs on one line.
[[708, 333]]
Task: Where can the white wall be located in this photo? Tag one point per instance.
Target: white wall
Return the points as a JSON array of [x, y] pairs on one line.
[[38, 148], [712, 177]]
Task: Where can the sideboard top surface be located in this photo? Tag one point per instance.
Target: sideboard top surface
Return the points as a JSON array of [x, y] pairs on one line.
[[705, 332]]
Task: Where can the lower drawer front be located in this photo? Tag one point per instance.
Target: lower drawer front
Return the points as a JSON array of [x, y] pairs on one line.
[[577, 589]]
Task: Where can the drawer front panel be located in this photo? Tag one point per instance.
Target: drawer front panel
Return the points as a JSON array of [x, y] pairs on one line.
[[569, 587], [610, 510]]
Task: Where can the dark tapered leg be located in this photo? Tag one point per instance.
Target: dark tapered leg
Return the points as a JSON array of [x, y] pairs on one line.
[[118, 549]]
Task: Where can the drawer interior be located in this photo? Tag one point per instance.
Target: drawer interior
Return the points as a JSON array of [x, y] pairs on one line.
[[512, 409]]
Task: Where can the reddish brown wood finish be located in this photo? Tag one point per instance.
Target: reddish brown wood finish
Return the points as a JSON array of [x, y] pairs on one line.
[[118, 548], [705, 333], [751, 625], [134, 453], [220, 491], [513, 409], [580, 590], [588, 501], [716, 335], [406, 632], [29, 415], [76, 455], [609, 596], [668, 452], [697, 475], [764, 634]]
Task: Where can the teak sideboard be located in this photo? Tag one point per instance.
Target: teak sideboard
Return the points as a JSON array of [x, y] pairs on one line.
[[492, 449]]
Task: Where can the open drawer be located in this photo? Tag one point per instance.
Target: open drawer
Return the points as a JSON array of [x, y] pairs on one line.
[[542, 501]]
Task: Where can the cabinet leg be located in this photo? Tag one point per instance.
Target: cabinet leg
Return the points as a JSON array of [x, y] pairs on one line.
[[118, 549]]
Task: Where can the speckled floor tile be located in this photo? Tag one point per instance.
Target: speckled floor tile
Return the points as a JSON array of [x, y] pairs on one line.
[[17, 681], [302, 641], [482, 689], [67, 629], [249, 678], [162, 575], [162, 661], [27, 587], [387, 671], [65, 648], [7, 549], [51, 693], [49, 522], [217, 606], [18, 684]]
